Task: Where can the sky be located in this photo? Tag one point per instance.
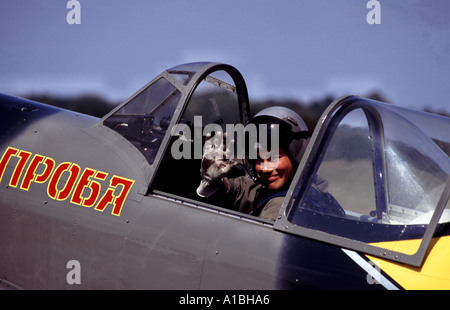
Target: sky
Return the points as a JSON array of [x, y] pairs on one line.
[[303, 49]]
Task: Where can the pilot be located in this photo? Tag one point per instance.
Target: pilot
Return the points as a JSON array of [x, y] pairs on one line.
[[273, 170]]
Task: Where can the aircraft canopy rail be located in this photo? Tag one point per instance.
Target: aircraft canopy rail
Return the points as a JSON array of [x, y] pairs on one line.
[[389, 171]]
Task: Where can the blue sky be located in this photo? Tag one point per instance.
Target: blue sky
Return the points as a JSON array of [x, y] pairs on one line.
[[301, 49]]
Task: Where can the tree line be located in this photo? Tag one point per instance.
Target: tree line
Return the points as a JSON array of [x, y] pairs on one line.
[[98, 106]]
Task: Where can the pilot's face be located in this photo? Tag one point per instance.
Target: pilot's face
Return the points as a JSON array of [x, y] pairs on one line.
[[275, 168]]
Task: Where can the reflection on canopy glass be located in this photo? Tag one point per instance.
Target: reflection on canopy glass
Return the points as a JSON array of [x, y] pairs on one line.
[[385, 173]]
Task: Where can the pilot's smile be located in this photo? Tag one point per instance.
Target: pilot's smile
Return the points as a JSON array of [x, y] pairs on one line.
[[275, 168]]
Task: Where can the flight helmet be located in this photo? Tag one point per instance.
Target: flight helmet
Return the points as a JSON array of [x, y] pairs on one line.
[[293, 132]]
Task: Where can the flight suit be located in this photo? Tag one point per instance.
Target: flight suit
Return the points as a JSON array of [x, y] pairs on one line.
[[245, 195]]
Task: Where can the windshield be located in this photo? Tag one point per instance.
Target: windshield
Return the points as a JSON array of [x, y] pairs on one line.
[[145, 118], [417, 169]]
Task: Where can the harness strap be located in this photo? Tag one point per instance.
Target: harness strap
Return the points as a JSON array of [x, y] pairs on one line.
[[264, 201]]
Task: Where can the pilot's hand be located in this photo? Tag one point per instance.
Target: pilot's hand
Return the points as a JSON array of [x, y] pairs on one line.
[[216, 163]]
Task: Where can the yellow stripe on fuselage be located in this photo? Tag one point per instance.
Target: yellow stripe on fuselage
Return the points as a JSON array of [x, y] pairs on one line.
[[434, 274]]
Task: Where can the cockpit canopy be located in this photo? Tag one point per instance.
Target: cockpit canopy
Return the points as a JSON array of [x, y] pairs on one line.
[[388, 168], [214, 92], [384, 162]]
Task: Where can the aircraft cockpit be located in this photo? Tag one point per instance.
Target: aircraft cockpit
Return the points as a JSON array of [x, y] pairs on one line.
[[386, 166]]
